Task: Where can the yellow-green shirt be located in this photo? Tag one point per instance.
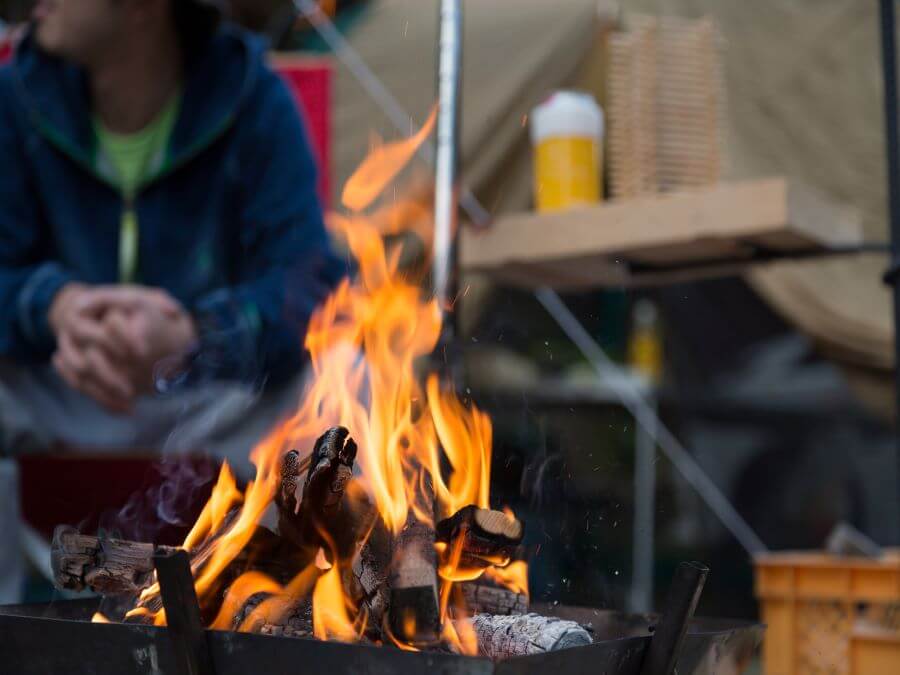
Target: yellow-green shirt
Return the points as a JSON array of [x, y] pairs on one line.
[[129, 160]]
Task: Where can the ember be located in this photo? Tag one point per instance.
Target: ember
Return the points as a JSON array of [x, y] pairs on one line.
[[378, 529]]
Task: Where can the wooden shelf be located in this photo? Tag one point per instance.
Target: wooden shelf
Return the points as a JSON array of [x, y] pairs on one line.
[[664, 238]]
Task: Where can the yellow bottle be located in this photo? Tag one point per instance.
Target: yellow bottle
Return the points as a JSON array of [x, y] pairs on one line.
[[567, 134], [645, 350]]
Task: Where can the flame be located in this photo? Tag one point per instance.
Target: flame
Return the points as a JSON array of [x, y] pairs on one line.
[[332, 610], [245, 586], [382, 166], [99, 618], [365, 344], [514, 576], [224, 496]]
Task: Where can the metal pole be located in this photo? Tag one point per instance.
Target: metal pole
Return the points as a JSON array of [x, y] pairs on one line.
[[644, 519], [185, 627], [668, 638], [445, 187], [376, 90], [892, 129]]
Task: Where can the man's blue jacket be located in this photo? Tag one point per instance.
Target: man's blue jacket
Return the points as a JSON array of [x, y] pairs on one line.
[[230, 223]]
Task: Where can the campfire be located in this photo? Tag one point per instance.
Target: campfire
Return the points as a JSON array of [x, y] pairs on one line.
[[369, 518]]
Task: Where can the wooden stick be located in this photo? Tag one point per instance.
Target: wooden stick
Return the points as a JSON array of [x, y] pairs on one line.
[[414, 612], [303, 519], [501, 637], [106, 566], [486, 537], [367, 581]]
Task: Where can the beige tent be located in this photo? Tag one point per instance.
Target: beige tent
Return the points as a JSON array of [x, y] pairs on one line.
[[804, 90]]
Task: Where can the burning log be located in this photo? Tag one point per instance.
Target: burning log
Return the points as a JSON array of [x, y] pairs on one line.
[[302, 519], [106, 566], [118, 567], [483, 537], [414, 611], [502, 637], [484, 598], [368, 575], [297, 622]]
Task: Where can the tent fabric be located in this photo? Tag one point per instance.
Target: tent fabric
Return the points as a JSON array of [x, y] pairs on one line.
[[804, 100], [515, 52]]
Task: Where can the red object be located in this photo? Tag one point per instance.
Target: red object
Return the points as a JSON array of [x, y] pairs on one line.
[[140, 497], [310, 81], [6, 48]]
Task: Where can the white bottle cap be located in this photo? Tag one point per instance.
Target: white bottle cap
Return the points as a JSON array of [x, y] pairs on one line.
[[567, 114]]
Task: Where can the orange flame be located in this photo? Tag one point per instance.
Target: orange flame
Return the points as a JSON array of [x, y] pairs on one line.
[[332, 610], [364, 344], [382, 166], [514, 576], [99, 618]]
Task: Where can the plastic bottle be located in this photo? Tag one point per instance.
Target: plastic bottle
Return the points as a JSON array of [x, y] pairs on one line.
[[567, 134], [645, 350]]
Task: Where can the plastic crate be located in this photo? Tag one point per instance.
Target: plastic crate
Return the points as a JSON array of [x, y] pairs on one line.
[[829, 615]]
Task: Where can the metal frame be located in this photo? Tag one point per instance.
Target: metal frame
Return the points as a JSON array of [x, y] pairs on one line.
[[892, 133]]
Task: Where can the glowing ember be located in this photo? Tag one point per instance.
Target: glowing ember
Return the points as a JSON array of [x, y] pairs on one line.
[[364, 344]]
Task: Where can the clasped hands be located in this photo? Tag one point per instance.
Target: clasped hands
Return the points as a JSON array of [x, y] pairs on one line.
[[111, 339]]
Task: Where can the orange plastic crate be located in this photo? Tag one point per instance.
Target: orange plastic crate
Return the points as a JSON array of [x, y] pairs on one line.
[[829, 615]]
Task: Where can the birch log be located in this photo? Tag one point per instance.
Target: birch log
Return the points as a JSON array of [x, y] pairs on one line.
[[501, 637], [483, 598]]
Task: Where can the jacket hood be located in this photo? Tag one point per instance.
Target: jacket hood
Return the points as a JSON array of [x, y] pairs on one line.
[[216, 85]]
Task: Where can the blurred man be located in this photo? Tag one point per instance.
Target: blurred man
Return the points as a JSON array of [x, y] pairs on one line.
[[158, 226]]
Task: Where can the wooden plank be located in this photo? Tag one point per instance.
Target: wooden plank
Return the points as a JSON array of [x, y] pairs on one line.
[[594, 245]]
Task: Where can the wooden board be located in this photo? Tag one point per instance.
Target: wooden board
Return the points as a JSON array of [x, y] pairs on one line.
[[660, 238]]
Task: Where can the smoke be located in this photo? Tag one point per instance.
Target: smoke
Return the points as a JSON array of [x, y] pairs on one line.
[[177, 487]]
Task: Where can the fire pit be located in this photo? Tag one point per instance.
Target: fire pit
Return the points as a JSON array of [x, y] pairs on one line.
[[60, 638]]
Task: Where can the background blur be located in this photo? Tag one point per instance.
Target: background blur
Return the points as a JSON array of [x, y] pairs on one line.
[[779, 381]]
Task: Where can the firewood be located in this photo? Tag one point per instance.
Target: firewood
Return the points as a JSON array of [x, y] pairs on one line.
[[366, 579], [486, 537], [502, 637], [113, 567], [106, 566], [304, 516], [484, 598], [414, 611], [297, 622]]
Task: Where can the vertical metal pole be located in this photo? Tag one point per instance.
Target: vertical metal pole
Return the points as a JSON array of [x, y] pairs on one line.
[[644, 518], [176, 586], [668, 639], [445, 188], [892, 129]]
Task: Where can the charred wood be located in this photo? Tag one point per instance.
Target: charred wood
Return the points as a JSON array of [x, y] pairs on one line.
[[480, 537], [106, 566], [304, 514], [414, 611]]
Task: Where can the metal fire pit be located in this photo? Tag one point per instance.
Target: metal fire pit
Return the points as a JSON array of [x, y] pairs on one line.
[[59, 638]]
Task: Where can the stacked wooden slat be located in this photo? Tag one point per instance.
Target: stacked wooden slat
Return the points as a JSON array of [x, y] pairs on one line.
[[667, 106], [632, 111]]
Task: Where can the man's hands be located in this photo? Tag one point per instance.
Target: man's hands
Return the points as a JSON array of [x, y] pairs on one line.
[[110, 339]]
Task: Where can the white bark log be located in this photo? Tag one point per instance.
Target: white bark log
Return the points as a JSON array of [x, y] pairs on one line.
[[482, 598], [501, 637]]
